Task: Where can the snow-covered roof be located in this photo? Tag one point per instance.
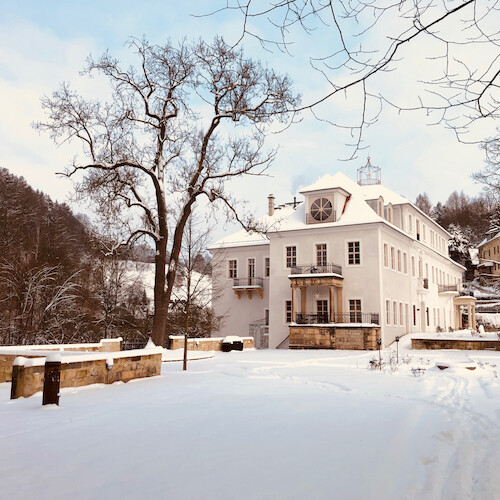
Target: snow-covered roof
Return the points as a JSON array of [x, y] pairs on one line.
[[487, 240], [327, 181], [373, 191], [288, 218], [267, 223]]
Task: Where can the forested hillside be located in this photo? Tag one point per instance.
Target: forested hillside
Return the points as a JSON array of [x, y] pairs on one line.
[[56, 284], [466, 218]]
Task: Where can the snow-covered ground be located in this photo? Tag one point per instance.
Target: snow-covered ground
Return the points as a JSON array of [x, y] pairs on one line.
[[266, 425]]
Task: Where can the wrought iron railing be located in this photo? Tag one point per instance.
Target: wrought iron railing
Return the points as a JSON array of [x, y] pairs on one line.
[[314, 269], [447, 288], [248, 282], [348, 317], [128, 345]]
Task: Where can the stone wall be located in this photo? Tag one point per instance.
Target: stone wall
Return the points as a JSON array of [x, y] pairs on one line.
[[206, 344], [330, 337], [128, 365], [9, 353], [472, 345]]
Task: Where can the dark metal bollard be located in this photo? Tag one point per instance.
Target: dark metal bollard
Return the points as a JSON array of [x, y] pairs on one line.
[[52, 379], [379, 344]]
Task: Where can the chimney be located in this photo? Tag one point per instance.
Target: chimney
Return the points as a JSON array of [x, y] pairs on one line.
[[271, 204]]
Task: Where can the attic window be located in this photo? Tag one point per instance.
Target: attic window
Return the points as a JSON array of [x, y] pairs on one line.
[[321, 209]]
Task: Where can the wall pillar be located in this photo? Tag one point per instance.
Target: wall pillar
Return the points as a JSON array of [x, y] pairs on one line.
[[339, 300]]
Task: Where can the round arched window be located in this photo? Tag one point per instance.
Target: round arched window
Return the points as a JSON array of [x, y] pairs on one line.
[[321, 209]]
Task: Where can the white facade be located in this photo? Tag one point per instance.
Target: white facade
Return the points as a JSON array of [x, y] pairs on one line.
[[393, 258]]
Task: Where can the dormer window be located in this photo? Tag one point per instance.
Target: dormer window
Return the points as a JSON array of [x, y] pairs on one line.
[[321, 209], [389, 213], [380, 206]]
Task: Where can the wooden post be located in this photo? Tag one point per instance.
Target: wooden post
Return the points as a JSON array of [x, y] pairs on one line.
[[52, 379]]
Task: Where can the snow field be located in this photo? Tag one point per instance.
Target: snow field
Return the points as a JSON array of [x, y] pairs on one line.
[[266, 425]]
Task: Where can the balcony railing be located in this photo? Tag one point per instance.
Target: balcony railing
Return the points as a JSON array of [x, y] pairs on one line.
[[348, 317], [447, 288], [248, 283], [313, 269]]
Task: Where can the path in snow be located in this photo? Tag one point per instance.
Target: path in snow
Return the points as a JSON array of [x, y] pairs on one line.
[[263, 425]]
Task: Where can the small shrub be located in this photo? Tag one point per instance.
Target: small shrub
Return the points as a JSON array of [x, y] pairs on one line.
[[417, 372]]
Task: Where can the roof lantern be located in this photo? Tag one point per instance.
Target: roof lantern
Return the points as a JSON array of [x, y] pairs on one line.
[[369, 175]]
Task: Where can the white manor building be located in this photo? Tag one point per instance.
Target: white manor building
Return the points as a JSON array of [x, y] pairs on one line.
[[351, 263]]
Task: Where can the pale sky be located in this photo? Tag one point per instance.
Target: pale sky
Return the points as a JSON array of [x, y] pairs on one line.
[[45, 43]]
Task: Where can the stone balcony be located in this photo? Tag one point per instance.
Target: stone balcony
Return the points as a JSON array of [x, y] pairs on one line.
[[248, 285]]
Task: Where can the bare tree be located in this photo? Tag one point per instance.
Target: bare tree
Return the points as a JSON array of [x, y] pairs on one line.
[[451, 47], [424, 203], [181, 124], [195, 289]]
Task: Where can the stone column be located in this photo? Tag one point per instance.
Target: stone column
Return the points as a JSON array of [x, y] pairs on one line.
[[332, 304], [294, 303], [303, 297]]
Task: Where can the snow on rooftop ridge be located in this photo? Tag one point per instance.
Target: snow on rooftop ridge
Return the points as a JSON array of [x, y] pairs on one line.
[[266, 223], [328, 181]]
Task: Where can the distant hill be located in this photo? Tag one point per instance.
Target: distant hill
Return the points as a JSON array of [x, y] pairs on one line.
[[35, 229]]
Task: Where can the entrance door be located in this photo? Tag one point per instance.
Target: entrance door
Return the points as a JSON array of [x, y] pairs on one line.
[[322, 311], [251, 271]]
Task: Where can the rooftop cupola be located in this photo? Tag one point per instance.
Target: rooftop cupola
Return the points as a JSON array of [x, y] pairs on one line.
[[369, 175]]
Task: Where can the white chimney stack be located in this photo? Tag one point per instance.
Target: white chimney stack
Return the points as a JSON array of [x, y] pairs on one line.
[[271, 204]]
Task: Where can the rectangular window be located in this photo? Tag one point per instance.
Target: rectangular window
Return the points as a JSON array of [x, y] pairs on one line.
[[399, 260], [413, 265], [233, 269], [267, 267], [393, 258], [434, 315], [418, 229], [427, 316], [414, 315], [354, 254], [355, 311], [410, 224], [405, 263], [401, 317], [321, 254], [395, 313], [266, 317], [386, 255], [387, 312], [291, 256], [288, 311], [251, 271]]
